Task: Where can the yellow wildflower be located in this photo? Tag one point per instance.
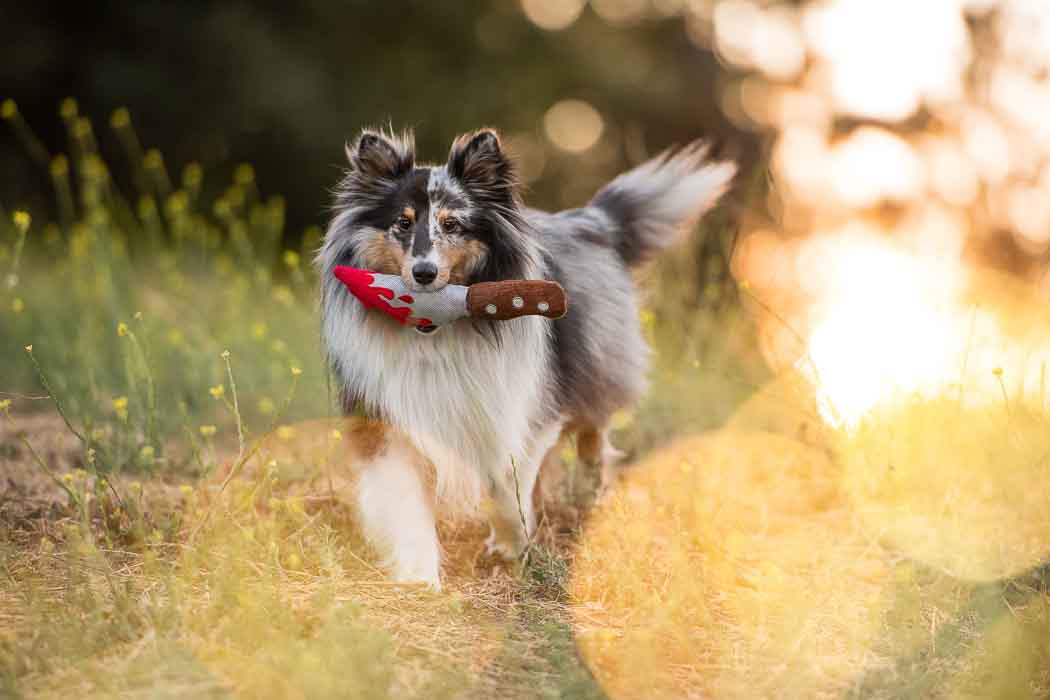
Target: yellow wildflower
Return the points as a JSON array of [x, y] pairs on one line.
[[82, 127], [122, 329], [22, 220], [192, 174], [207, 430], [68, 109], [621, 420], [296, 371], [286, 432], [120, 406], [217, 391], [176, 203], [59, 166], [120, 118], [266, 406], [291, 258], [244, 174]]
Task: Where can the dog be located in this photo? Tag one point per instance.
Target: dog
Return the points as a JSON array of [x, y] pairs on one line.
[[471, 410]]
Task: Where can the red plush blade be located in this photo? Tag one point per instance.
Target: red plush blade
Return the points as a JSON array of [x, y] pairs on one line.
[[362, 284]]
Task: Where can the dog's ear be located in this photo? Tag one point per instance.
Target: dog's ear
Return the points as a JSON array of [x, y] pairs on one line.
[[479, 161], [381, 155]]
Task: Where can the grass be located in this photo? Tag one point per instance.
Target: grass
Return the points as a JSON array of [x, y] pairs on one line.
[[171, 522], [777, 567]]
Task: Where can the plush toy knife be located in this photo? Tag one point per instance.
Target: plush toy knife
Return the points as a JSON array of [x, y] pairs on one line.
[[495, 301]]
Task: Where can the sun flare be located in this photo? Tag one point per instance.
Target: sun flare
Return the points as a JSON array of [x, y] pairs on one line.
[[889, 325]]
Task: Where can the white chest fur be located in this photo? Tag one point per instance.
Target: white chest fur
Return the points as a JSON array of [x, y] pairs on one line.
[[467, 403]]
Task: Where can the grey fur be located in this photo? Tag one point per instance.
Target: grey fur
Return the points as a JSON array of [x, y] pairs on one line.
[[484, 408], [598, 358]]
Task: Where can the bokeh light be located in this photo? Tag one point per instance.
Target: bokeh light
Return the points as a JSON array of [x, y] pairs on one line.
[[620, 11], [906, 145], [553, 15], [573, 126]]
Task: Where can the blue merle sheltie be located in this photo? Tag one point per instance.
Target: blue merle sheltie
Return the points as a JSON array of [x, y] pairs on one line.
[[471, 410]]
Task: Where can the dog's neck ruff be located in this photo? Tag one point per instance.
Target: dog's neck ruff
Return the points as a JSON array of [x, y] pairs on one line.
[[465, 401]]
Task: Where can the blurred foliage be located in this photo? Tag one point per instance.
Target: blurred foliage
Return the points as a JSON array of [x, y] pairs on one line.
[[140, 315], [285, 85], [138, 318], [156, 225]]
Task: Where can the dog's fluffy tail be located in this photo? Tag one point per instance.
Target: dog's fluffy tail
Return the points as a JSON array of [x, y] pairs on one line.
[[650, 205]]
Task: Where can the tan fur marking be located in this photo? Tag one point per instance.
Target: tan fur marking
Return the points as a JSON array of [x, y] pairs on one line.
[[384, 255], [462, 259], [409, 213], [368, 437], [589, 445]]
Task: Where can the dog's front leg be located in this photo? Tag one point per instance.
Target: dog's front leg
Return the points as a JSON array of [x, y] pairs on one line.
[[514, 518], [397, 512]]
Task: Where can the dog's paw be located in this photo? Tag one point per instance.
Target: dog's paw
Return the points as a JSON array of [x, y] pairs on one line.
[[498, 547], [419, 571], [412, 579]]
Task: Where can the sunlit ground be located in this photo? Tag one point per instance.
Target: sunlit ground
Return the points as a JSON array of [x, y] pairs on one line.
[[874, 522]]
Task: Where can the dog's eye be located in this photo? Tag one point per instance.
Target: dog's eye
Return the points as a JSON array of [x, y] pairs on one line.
[[450, 225], [404, 223]]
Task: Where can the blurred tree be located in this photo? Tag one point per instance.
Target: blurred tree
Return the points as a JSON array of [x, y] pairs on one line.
[[284, 85]]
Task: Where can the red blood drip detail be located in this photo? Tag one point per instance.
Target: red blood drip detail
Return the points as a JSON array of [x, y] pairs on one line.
[[406, 298], [424, 322], [361, 284]]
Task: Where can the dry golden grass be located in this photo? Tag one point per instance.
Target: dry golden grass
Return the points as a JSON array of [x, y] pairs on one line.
[[746, 564], [742, 563], [262, 589]]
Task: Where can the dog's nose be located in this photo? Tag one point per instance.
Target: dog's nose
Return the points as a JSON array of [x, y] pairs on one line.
[[424, 272]]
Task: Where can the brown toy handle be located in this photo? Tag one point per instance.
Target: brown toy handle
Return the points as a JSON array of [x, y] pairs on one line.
[[499, 301]]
